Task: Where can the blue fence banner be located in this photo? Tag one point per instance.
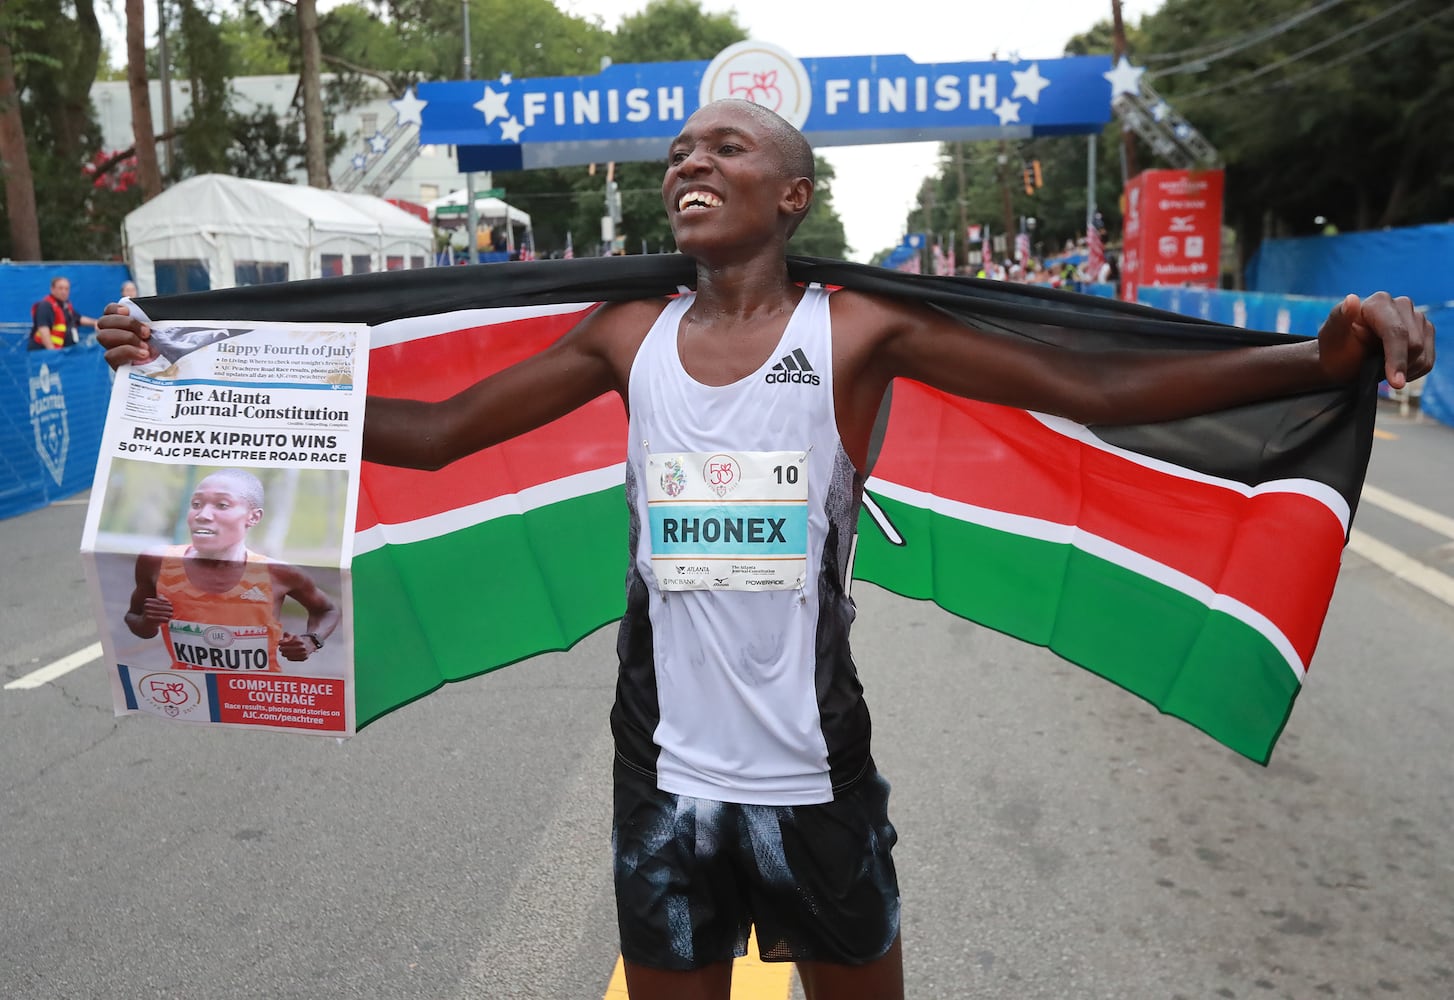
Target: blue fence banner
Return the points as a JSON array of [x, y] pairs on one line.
[[631, 111], [1412, 261], [1296, 314], [93, 285], [1438, 398], [52, 409]]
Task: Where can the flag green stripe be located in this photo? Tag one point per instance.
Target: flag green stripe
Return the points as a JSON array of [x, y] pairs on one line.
[[485, 596], [1189, 660]]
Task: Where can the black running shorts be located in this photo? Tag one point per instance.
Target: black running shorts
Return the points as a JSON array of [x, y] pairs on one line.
[[693, 875]]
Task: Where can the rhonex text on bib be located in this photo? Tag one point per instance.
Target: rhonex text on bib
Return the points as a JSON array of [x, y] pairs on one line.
[[728, 521]]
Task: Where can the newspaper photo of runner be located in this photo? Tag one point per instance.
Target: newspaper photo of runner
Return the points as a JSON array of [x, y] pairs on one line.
[[223, 568]]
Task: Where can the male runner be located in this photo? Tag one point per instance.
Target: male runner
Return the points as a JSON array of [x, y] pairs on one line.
[[217, 604], [745, 790]]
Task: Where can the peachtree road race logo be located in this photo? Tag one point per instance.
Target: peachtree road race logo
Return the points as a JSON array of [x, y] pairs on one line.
[[722, 474], [763, 74], [48, 417], [169, 694]]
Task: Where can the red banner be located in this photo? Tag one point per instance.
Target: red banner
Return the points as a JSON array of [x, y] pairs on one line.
[[1173, 230]]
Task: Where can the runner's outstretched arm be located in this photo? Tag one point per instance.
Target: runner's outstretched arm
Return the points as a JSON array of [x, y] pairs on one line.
[[1145, 387]]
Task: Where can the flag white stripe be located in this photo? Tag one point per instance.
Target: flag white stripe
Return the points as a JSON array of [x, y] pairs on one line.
[[1312, 489], [402, 331], [1102, 548], [449, 521]]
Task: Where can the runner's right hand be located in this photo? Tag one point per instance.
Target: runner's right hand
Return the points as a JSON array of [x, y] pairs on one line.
[[127, 340]]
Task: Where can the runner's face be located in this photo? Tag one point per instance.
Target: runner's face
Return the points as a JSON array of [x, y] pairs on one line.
[[724, 183], [218, 518]]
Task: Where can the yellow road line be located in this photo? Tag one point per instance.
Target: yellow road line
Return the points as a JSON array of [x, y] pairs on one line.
[[752, 978], [1385, 435]]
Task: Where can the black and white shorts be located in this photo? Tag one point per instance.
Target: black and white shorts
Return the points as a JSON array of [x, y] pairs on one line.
[[694, 875]]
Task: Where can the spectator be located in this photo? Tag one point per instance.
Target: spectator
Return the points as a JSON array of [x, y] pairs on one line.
[[128, 289], [54, 322]]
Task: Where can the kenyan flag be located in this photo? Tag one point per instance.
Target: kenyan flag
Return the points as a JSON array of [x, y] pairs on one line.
[[1191, 562]]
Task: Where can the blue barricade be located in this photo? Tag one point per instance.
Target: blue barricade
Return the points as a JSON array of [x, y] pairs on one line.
[[52, 410], [1438, 398], [92, 286], [1294, 314], [1412, 261]]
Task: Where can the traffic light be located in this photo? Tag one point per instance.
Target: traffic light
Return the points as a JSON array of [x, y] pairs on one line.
[[1030, 174]]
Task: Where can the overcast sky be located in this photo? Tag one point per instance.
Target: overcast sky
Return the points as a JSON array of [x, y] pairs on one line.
[[876, 185]]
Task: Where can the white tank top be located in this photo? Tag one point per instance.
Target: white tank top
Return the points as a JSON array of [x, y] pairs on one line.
[[743, 506]]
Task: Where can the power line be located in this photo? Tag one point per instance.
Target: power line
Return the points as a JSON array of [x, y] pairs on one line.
[[1197, 57], [1315, 47], [1357, 52]]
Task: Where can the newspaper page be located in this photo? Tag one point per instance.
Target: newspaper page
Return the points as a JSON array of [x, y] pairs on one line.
[[220, 529]]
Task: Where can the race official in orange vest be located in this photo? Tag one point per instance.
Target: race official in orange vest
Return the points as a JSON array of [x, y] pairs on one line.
[[54, 322], [217, 604]]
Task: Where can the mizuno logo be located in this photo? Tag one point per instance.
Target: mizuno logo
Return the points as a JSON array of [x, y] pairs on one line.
[[794, 367]]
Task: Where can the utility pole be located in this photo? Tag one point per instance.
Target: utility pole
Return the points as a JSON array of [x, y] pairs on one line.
[[1009, 210], [1118, 50], [164, 63], [963, 209], [473, 212]]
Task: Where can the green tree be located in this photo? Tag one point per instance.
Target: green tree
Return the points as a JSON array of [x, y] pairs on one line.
[[1343, 116], [820, 234]]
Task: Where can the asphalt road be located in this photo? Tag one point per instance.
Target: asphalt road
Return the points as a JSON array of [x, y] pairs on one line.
[[1058, 838]]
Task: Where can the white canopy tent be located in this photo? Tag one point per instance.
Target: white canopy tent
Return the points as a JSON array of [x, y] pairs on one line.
[[492, 212], [213, 231]]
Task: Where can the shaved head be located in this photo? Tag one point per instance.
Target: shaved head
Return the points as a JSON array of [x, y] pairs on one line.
[[794, 153]]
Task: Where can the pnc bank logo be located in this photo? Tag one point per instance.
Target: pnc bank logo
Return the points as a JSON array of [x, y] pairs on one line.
[[763, 74]]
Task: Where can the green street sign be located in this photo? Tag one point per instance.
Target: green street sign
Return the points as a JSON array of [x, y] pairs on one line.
[[465, 209]]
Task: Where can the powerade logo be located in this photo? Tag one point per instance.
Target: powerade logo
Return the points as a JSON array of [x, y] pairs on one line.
[[793, 368]]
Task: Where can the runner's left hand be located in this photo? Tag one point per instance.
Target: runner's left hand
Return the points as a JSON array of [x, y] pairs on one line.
[[1383, 324]]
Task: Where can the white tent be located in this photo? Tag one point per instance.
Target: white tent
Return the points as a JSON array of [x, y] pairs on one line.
[[213, 231], [489, 209]]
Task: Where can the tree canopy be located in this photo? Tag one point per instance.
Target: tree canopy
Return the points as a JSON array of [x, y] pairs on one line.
[[1331, 113], [82, 190]]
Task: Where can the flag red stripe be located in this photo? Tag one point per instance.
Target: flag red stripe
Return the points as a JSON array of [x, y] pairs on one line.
[[437, 367], [1278, 553]]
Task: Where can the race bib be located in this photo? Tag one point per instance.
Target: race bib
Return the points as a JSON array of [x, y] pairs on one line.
[[200, 646], [728, 521]]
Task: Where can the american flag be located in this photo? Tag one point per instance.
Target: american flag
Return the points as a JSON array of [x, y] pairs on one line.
[[988, 255], [527, 250], [570, 251], [943, 261], [1095, 248], [1022, 247]]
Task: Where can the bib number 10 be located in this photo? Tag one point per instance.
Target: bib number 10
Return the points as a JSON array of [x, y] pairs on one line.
[[788, 474]]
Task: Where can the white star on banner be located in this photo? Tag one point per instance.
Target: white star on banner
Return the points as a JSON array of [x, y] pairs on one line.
[[1125, 78], [378, 144], [492, 105], [409, 108], [505, 79], [1161, 111], [360, 161], [1009, 111], [510, 130], [1029, 83]]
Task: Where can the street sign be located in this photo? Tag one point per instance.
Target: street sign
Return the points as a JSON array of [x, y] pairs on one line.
[[449, 210]]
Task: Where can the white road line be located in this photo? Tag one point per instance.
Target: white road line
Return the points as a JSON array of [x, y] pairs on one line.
[[59, 668], [1409, 510], [1391, 560]]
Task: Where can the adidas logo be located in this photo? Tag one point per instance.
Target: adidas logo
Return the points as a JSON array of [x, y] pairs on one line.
[[253, 593], [794, 367]]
